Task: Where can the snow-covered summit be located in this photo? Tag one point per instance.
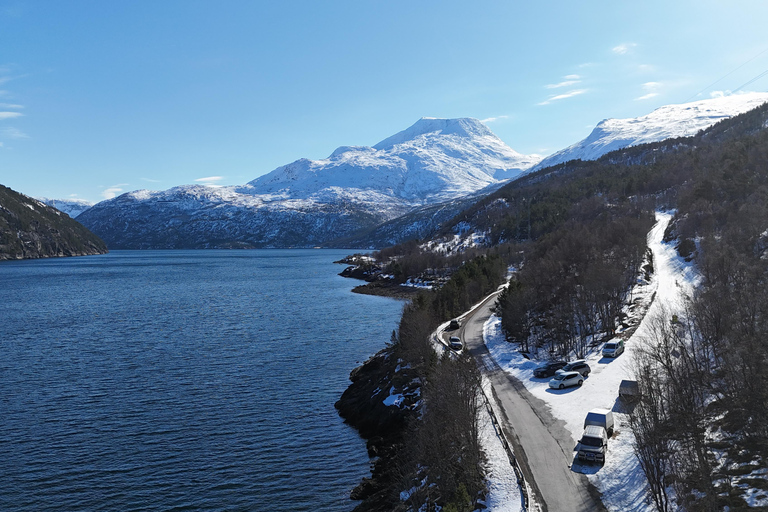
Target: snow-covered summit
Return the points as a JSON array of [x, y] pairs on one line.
[[665, 122], [431, 126], [72, 207], [433, 160]]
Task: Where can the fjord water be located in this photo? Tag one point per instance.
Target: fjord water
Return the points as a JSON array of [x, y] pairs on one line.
[[182, 380]]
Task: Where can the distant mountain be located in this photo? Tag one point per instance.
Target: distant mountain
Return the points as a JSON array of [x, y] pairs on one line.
[[665, 122], [314, 202], [72, 207], [434, 160], [31, 229]]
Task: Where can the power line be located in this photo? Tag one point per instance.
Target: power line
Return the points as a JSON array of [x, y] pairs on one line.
[[758, 77], [727, 75]]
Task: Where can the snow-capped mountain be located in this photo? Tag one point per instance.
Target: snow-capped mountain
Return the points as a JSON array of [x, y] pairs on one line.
[[72, 207], [311, 202], [665, 122], [433, 160]]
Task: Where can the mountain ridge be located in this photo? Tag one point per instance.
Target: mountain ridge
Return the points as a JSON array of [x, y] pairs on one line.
[[666, 122]]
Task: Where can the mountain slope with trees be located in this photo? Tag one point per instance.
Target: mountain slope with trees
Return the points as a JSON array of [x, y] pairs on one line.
[[31, 229], [575, 233]]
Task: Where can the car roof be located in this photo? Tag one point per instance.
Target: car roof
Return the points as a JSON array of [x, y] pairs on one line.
[[594, 430], [577, 361], [570, 374]]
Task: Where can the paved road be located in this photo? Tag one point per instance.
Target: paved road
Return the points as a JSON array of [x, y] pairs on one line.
[[542, 445]]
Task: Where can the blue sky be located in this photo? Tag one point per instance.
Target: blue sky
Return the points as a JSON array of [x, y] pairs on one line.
[[103, 97]]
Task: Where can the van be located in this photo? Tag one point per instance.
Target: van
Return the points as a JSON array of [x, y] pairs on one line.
[[601, 418], [593, 444]]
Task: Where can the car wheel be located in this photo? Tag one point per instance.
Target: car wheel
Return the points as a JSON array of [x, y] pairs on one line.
[[561, 386], [581, 382]]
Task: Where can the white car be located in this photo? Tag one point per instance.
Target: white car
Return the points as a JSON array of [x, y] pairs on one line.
[[613, 348], [455, 343], [566, 379]]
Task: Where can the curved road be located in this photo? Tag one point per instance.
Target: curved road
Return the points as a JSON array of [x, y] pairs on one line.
[[543, 447]]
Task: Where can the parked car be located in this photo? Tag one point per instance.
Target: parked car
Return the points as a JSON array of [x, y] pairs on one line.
[[455, 343], [579, 365], [629, 390], [548, 369], [593, 444], [601, 418], [613, 348], [454, 325], [566, 379]]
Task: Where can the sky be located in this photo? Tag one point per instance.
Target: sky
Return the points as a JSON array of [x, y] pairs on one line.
[[100, 98]]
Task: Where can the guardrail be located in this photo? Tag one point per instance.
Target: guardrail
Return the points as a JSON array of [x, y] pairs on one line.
[[510, 454]]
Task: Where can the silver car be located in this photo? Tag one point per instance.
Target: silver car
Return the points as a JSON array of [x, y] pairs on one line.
[[566, 379]]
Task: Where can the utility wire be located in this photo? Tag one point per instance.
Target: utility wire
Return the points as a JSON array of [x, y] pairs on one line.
[[727, 75], [758, 77]]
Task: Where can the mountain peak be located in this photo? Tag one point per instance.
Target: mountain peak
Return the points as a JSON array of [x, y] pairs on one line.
[[467, 127]]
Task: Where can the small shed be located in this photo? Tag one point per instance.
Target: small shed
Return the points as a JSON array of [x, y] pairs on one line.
[[629, 390]]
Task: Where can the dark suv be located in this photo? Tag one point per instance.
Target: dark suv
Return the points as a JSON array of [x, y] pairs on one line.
[[579, 365], [547, 369]]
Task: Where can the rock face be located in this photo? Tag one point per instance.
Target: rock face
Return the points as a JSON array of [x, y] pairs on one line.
[[31, 229], [316, 202], [665, 122]]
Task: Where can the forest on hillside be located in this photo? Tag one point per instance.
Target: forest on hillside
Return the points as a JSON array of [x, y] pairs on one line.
[[576, 236]]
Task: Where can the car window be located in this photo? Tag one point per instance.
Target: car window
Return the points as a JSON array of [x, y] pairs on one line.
[[610, 345], [591, 441]]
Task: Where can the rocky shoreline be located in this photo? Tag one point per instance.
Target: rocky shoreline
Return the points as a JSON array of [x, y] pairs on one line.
[[365, 269], [367, 403], [367, 406]]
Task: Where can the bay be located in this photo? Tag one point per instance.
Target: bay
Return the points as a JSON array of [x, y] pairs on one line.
[[182, 380]]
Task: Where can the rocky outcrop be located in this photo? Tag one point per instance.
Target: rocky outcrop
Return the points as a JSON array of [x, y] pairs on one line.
[[378, 403], [31, 229]]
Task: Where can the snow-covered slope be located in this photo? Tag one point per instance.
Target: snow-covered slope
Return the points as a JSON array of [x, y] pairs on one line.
[[663, 123], [72, 207], [433, 160], [311, 202]]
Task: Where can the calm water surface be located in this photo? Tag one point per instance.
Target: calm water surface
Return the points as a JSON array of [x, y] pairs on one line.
[[182, 380]]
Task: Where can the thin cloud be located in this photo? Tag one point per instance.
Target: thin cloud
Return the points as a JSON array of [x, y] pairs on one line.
[[569, 94], [113, 191], [565, 83], [568, 80], [492, 119], [210, 180], [10, 115], [651, 88], [13, 133], [11, 105], [150, 180], [623, 48]]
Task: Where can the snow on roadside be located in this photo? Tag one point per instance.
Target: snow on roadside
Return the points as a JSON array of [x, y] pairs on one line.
[[503, 490], [621, 481]]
